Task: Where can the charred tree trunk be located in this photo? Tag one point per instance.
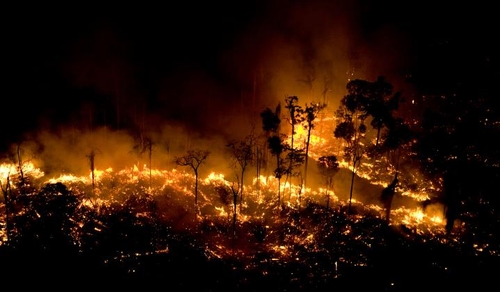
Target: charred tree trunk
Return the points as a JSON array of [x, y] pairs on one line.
[[387, 196], [235, 204], [307, 154], [92, 169], [196, 188], [356, 160], [22, 179], [7, 195]]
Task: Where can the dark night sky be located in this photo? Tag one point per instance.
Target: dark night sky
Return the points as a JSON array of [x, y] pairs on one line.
[[182, 63]]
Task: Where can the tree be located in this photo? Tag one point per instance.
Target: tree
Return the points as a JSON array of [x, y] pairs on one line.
[[193, 159], [352, 130], [328, 166], [364, 99], [294, 158], [229, 195], [276, 147], [234, 192], [146, 145], [386, 197], [7, 194], [295, 117], [91, 158], [380, 104], [271, 122], [311, 112], [242, 156], [23, 183]]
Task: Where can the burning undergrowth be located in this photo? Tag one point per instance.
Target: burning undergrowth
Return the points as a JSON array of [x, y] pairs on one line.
[[136, 219]]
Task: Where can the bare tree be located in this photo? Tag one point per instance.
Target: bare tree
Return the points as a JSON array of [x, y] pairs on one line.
[[24, 182], [242, 156], [149, 147], [91, 158], [234, 192], [193, 159]]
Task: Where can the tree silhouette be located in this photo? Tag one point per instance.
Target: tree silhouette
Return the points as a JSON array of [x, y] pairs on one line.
[[277, 147], [271, 120], [311, 112], [91, 157], [364, 99], [352, 130], [328, 166], [295, 117], [271, 123], [146, 145], [234, 192], [386, 197], [380, 102], [193, 159], [23, 183], [242, 155], [7, 198]]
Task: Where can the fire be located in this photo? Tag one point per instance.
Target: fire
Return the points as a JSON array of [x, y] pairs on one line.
[[8, 170], [181, 181], [221, 209]]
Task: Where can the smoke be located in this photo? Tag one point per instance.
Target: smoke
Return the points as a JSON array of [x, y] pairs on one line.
[[198, 81], [305, 48]]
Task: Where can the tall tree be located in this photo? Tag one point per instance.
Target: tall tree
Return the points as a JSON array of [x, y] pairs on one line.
[[294, 118], [311, 112], [193, 159], [91, 157], [242, 155], [271, 122], [295, 115], [147, 146], [351, 129], [364, 99], [277, 147]]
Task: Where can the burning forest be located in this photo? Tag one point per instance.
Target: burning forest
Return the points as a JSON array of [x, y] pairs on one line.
[[287, 146], [258, 206]]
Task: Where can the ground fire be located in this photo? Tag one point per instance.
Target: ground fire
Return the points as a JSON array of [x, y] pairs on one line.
[[247, 211]]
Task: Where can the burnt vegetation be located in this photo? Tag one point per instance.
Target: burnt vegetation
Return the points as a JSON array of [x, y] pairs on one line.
[[276, 238]]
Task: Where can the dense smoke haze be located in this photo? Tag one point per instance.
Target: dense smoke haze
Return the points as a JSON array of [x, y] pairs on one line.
[[199, 73]]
